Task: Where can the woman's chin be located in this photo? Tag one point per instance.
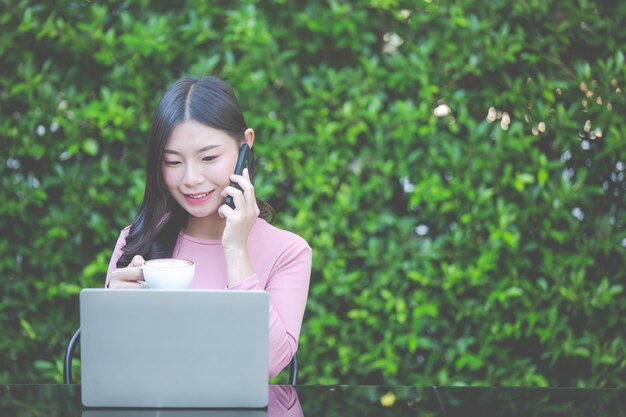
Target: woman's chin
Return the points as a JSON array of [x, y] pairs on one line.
[[203, 212]]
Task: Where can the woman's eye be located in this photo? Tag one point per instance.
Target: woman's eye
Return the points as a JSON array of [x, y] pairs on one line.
[[208, 158], [172, 163]]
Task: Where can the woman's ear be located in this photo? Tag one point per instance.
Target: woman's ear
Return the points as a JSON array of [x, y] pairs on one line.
[[249, 137]]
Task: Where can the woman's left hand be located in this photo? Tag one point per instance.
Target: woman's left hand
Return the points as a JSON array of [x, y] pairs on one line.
[[239, 221]]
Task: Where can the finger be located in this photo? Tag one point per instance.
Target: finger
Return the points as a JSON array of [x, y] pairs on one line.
[[137, 261], [225, 211], [127, 274], [249, 192], [237, 195], [126, 285], [242, 180], [126, 277]]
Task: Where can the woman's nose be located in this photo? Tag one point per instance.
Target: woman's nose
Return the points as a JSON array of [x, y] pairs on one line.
[[193, 175]]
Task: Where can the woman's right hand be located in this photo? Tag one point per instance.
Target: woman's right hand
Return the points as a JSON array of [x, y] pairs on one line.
[[130, 276]]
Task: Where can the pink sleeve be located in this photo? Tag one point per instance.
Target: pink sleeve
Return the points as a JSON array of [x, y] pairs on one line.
[[283, 402], [117, 253], [287, 287]]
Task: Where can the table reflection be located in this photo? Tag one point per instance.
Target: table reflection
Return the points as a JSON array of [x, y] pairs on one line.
[[64, 400], [523, 402], [383, 401], [346, 401]]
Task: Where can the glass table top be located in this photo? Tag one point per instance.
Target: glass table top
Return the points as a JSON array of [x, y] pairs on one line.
[[345, 401]]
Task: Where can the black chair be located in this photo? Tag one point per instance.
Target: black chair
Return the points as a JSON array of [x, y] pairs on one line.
[[69, 354], [71, 347], [293, 370]]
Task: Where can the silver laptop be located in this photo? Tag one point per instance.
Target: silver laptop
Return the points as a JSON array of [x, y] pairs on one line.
[[174, 348]]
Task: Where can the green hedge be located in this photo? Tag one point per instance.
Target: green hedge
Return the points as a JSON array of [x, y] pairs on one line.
[[457, 168]]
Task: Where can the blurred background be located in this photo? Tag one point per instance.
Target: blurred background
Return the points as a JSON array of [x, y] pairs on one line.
[[458, 168]]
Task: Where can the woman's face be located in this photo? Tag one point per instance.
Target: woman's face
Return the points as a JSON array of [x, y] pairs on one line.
[[197, 163]]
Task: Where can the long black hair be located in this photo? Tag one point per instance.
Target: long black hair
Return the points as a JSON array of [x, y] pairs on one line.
[[207, 100]]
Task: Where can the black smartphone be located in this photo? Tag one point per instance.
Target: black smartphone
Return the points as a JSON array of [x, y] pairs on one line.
[[244, 160]]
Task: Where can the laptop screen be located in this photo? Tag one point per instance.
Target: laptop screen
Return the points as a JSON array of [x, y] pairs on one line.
[[174, 348]]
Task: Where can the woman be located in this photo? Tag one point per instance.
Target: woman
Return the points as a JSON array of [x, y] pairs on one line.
[[197, 131]]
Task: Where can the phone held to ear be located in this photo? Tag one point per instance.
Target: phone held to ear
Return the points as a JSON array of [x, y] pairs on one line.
[[244, 160]]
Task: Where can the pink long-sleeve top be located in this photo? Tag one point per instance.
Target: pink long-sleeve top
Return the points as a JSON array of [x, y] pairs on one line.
[[282, 264]]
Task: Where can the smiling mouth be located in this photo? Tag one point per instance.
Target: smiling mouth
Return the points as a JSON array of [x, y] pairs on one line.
[[198, 196]]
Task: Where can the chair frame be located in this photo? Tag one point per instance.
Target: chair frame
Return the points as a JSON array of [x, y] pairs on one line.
[[69, 354], [71, 347]]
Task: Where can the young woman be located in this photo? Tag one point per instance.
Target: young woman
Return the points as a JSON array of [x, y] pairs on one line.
[[197, 131]]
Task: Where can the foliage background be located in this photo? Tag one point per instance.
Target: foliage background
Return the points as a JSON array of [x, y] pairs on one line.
[[458, 168]]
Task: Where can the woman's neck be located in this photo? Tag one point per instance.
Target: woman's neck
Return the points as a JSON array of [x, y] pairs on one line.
[[211, 227]]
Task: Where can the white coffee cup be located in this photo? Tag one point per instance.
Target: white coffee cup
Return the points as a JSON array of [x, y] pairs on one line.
[[168, 273]]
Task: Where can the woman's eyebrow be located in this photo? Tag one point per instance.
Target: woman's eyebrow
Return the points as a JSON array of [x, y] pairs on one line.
[[206, 148]]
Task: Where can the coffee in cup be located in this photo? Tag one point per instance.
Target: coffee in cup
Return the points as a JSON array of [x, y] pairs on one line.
[[168, 273]]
